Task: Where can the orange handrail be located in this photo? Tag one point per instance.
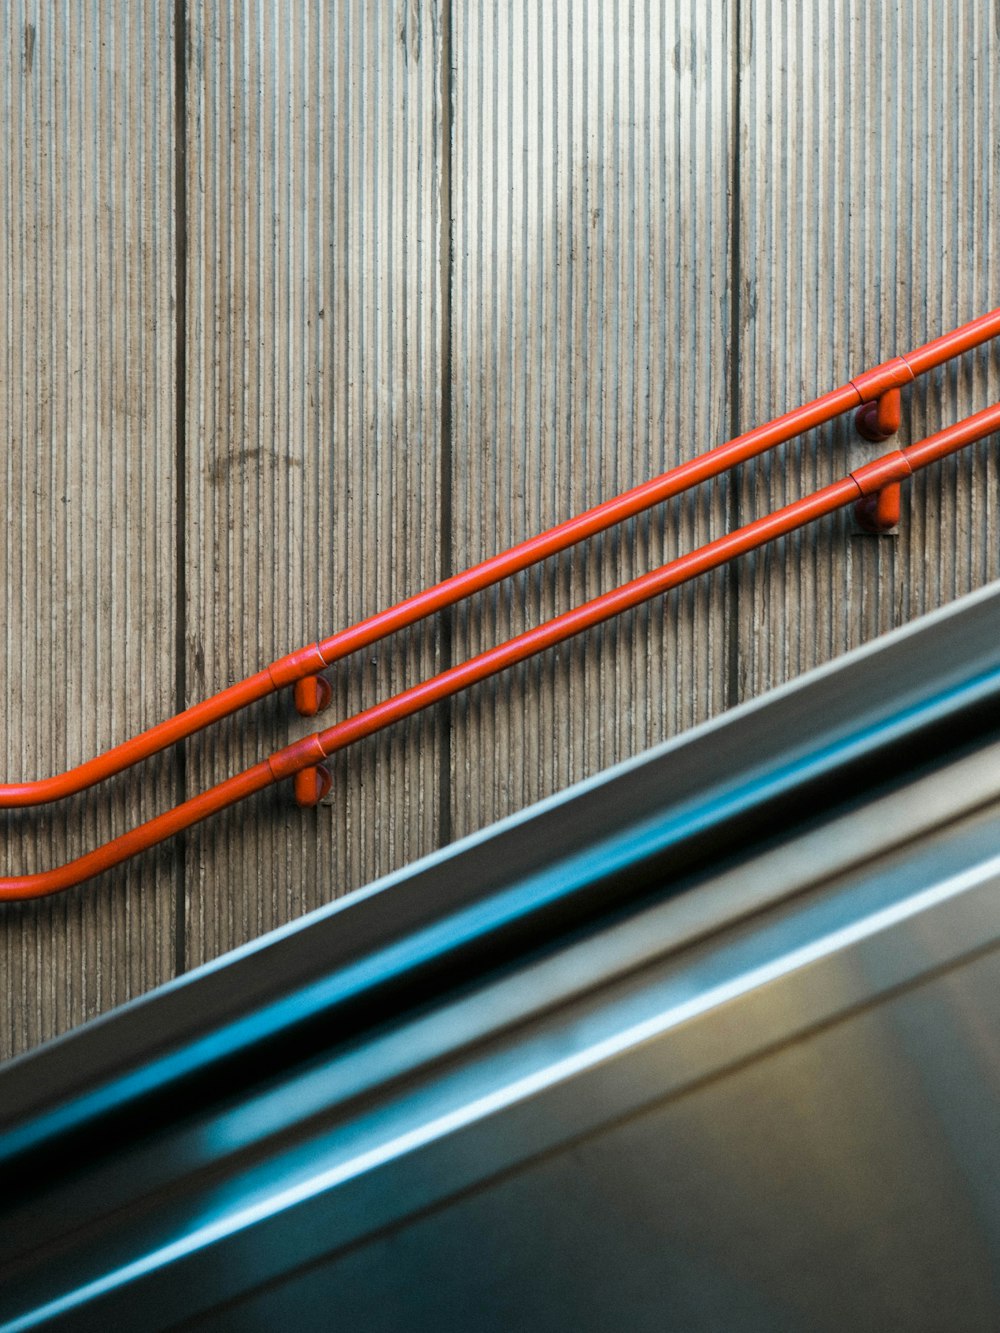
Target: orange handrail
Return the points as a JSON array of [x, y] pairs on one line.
[[306, 756], [875, 392]]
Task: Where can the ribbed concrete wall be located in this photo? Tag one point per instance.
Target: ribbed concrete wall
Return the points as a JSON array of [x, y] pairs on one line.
[[591, 214], [463, 264], [869, 166], [87, 486], [313, 446]]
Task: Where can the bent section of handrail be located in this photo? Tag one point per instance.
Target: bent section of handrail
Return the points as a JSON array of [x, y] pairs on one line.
[[866, 481], [304, 665]]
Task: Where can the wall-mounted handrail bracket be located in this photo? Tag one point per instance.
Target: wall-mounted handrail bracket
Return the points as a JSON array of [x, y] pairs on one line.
[[311, 785], [312, 695], [879, 514], [877, 421]]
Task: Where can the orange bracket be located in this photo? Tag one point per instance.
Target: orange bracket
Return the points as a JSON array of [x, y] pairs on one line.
[[877, 421], [311, 784], [312, 695]]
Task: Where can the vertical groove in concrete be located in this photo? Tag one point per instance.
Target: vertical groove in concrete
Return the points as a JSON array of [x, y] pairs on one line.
[[180, 462], [313, 424], [870, 173], [86, 486], [591, 234], [446, 278]]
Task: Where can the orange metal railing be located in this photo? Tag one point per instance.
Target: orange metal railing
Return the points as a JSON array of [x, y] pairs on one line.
[[874, 489]]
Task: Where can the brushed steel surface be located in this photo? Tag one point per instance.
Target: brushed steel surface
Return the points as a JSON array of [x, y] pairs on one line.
[[87, 439], [820, 1091], [846, 1180]]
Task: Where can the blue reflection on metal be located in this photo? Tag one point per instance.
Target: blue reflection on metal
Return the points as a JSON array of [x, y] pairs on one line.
[[601, 861], [217, 1228]]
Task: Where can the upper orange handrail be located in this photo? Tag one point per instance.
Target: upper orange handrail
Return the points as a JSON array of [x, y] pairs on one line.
[[305, 757], [877, 388]]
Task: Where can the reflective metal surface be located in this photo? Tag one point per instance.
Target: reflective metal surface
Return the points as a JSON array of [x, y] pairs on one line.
[[709, 1042]]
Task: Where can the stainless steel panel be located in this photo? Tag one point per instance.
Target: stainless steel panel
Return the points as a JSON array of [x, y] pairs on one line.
[[313, 425], [804, 1107], [844, 1181], [591, 233], [801, 1103], [87, 478]]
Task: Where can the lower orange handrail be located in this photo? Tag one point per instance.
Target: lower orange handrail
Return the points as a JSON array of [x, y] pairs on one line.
[[306, 756]]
